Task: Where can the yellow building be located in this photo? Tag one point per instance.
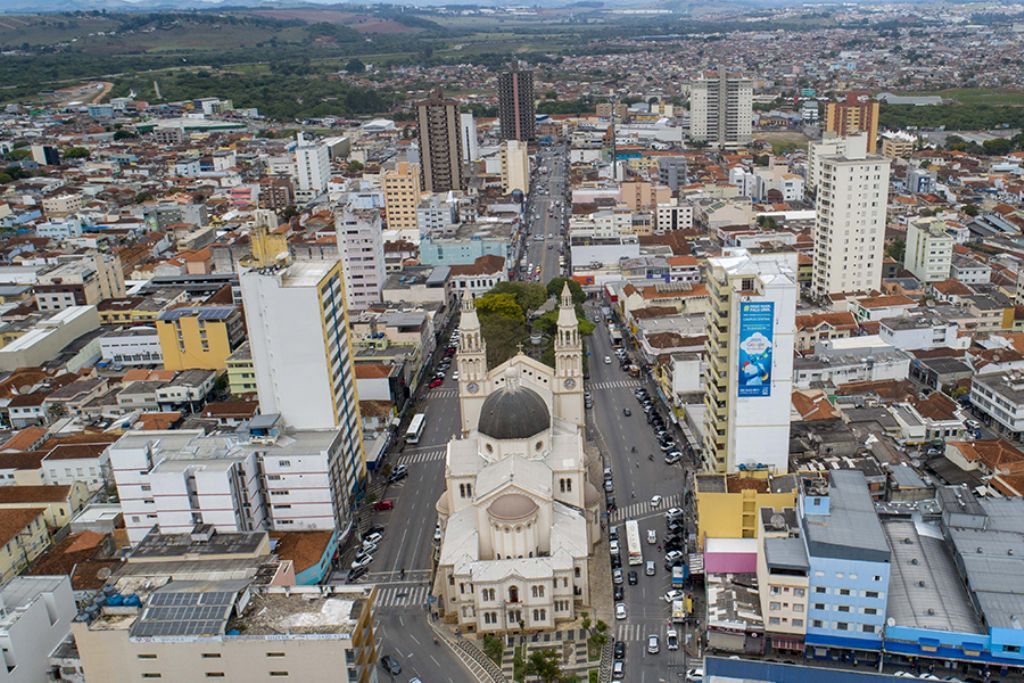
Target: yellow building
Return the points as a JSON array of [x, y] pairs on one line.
[[57, 503], [402, 196], [266, 244], [23, 538], [241, 372], [858, 113], [897, 147], [199, 337], [728, 505]]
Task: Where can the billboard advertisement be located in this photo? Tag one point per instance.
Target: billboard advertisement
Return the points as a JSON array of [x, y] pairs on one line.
[[755, 348]]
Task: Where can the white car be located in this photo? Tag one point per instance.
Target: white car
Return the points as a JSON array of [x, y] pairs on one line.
[[373, 538], [607, 360], [673, 513], [674, 595], [652, 536], [695, 675], [620, 610], [656, 501], [653, 646], [363, 562], [613, 547], [455, 375], [674, 556], [672, 639], [368, 548]]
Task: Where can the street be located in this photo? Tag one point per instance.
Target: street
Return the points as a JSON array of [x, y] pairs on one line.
[[636, 479], [544, 252]]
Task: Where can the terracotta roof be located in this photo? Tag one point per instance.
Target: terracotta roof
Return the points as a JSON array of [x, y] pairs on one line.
[[886, 301], [304, 548], [952, 287], [838, 320], [483, 265], [812, 405], [887, 390], [735, 483], [653, 312], [157, 421], [25, 439], [22, 460], [221, 409], [13, 520], [937, 406], [77, 450], [41, 493], [372, 370], [379, 409]]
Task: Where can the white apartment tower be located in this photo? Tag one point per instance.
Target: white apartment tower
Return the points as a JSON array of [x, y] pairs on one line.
[[748, 378], [721, 109], [312, 168], [470, 143], [361, 247], [849, 229], [929, 250], [832, 145]]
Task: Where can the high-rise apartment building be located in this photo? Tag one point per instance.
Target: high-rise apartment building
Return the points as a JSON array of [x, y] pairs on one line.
[[856, 113], [298, 337], [401, 197], [515, 104], [312, 168], [721, 109], [929, 249], [361, 248], [440, 144], [748, 378], [515, 167], [849, 228], [831, 145]]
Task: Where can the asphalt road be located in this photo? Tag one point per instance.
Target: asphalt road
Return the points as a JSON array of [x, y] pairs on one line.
[[538, 252], [636, 479]]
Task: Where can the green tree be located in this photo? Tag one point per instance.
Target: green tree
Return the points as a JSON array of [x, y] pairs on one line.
[[896, 249], [124, 135], [544, 664], [355, 66], [495, 304], [494, 648], [76, 153], [971, 210], [528, 295], [355, 166], [555, 285]]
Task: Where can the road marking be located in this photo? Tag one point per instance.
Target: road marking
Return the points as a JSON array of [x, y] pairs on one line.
[[644, 508], [441, 393], [432, 455], [403, 596], [615, 384], [401, 544], [411, 636]]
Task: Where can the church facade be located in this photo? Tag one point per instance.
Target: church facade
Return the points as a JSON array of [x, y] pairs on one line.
[[519, 516]]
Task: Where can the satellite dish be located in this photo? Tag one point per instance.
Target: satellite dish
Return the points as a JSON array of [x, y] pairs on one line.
[[103, 573], [890, 622]]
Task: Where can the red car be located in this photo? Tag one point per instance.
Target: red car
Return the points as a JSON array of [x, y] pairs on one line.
[[386, 504], [436, 382]]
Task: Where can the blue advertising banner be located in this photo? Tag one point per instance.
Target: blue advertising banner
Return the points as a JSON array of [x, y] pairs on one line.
[[755, 348]]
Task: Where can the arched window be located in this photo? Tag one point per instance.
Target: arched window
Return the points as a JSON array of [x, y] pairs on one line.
[[513, 594]]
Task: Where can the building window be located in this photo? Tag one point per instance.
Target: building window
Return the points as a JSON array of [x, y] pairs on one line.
[[817, 623], [842, 626], [773, 621], [278, 673], [275, 654], [799, 592], [211, 655], [146, 656], [870, 594], [215, 674], [774, 606], [868, 628], [820, 589]]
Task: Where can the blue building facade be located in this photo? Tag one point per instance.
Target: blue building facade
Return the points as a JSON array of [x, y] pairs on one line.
[[849, 558], [462, 252]]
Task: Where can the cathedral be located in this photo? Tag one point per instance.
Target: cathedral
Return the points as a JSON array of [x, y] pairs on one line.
[[519, 517]]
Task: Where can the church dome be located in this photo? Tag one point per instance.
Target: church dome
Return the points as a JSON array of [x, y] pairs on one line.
[[512, 507], [513, 412]]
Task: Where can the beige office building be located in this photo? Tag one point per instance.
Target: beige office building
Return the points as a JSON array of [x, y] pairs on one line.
[[401, 197], [515, 166], [849, 229], [187, 631]]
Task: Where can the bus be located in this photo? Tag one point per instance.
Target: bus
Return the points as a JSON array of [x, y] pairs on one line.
[[415, 431], [636, 552]]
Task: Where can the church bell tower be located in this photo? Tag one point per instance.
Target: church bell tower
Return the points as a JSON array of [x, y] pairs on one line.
[[472, 364], [568, 387]]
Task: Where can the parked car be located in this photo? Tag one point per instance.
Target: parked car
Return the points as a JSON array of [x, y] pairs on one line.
[[373, 537], [398, 474], [673, 595], [620, 649], [435, 383], [618, 593], [620, 610], [618, 670], [674, 513], [374, 529], [617, 577], [614, 547], [673, 556], [382, 505], [672, 639], [607, 360], [362, 562], [354, 574], [695, 675], [391, 665]]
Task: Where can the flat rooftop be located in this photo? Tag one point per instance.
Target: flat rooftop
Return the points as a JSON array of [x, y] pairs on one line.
[[925, 590], [326, 610]]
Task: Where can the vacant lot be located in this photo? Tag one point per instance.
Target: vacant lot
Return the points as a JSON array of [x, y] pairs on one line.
[[994, 96], [783, 141]]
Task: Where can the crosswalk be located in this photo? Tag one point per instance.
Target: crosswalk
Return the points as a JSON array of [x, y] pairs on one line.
[[615, 384], [644, 508], [442, 393], [410, 595], [433, 455], [633, 632]]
